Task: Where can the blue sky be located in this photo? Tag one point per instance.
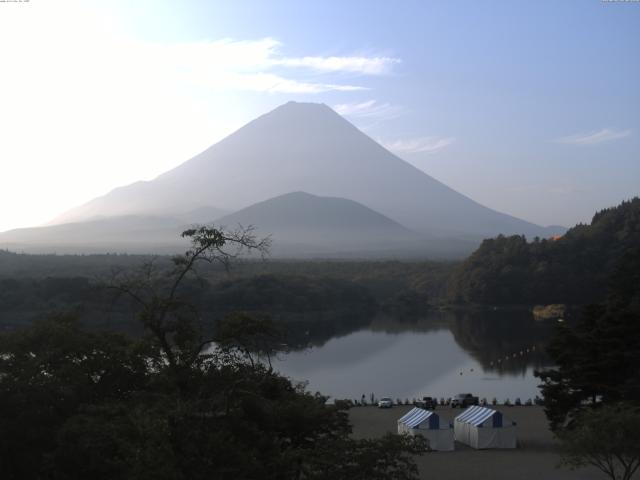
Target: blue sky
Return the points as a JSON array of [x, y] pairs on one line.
[[531, 108]]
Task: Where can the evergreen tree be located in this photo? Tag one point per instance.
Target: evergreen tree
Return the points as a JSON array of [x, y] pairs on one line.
[[597, 359], [573, 269]]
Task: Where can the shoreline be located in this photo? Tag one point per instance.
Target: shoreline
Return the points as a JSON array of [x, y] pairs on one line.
[[536, 457]]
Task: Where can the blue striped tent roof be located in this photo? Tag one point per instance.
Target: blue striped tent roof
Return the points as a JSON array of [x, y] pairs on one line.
[[476, 415], [415, 417]]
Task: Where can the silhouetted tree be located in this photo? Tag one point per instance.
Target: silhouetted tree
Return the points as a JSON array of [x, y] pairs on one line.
[[78, 405], [607, 438], [597, 359], [48, 373]]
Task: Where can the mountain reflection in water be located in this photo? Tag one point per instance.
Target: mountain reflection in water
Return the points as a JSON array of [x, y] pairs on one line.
[[491, 354]]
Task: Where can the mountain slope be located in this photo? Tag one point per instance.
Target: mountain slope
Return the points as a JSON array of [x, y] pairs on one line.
[[300, 210], [122, 234], [304, 224], [308, 147], [301, 226]]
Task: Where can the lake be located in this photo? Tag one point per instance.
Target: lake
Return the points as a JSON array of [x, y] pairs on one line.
[[490, 354]]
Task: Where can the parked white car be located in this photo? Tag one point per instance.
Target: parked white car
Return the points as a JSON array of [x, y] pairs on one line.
[[385, 403]]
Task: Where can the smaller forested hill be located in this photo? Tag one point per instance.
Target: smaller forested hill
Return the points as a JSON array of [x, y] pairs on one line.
[[571, 269]]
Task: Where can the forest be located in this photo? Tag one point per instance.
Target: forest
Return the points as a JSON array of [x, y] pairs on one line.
[[121, 349], [572, 269], [336, 292], [505, 271], [177, 402]]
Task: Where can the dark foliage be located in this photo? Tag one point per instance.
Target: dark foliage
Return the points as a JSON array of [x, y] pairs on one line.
[[607, 438], [573, 269], [47, 374], [324, 295], [597, 359], [289, 293], [170, 405]]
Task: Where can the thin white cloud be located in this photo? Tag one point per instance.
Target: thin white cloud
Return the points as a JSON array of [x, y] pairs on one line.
[[284, 85], [419, 144], [360, 65], [369, 109], [149, 105], [594, 138], [254, 66], [267, 82]]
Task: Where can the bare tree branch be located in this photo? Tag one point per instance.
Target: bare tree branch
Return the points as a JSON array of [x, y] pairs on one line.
[[173, 322]]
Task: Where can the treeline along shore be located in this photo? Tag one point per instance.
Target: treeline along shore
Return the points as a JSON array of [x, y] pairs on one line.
[[189, 349], [503, 273]]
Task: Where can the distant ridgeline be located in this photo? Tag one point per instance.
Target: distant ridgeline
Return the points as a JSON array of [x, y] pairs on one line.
[[572, 269]]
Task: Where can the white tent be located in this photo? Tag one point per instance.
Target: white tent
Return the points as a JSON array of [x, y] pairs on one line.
[[427, 423], [481, 427]]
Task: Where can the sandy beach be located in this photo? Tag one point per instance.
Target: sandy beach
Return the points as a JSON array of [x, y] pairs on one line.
[[536, 457]]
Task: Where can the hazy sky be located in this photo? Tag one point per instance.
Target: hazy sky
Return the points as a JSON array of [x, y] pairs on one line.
[[531, 108]]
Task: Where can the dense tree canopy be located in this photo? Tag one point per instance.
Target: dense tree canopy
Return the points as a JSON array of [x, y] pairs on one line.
[[288, 291], [597, 359], [573, 269], [47, 374], [607, 438], [172, 405]]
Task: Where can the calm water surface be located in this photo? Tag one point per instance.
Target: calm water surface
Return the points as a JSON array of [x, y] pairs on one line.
[[492, 354]]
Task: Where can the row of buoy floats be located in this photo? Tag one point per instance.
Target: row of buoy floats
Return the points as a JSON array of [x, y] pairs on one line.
[[521, 353], [499, 361]]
